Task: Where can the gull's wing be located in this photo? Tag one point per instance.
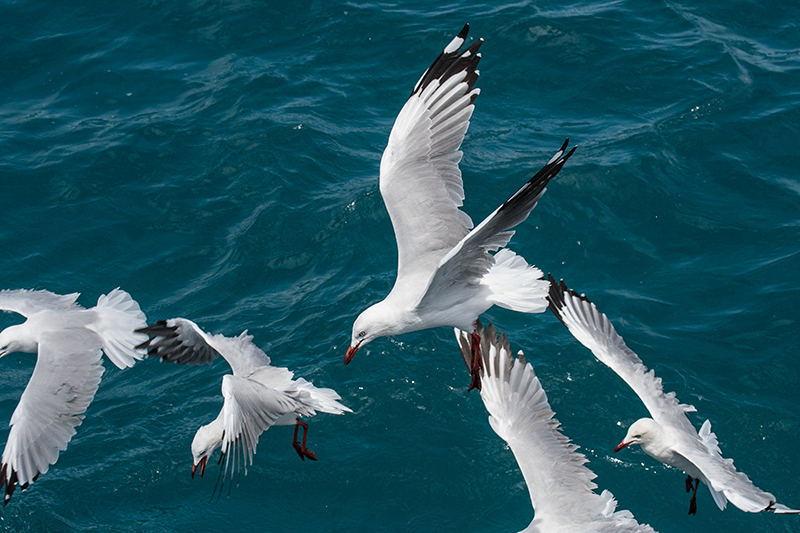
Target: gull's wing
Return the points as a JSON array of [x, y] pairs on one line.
[[593, 329], [420, 180], [469, 260], [178, 340], [63, 384], [26, 302], [182, 341], [250, 408], [559, 483], [722, 476]]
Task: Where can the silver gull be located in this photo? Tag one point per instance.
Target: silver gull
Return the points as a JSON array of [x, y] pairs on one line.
[[668, 436], [69, 341], [256, 396], [446, 275]]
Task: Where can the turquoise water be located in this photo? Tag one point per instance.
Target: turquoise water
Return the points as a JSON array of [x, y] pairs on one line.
[[219, 161]]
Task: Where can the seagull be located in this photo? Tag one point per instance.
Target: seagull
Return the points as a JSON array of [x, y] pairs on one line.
[[446, 275], [69, 341], [559, 483], [256, 395], [668, 436]]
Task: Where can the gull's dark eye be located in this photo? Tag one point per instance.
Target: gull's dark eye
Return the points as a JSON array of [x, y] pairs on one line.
[[362, 333]]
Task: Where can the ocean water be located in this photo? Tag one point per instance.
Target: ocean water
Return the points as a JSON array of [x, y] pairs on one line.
[[219, 161]]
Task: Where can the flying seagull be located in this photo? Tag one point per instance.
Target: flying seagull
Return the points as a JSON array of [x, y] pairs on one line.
[[69, 342], [561, 487], [668, 436], [256, 396], [446, 275]]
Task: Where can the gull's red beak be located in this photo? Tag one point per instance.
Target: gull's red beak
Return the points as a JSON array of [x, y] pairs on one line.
[[351, 351], [202, 465], [621, 445]]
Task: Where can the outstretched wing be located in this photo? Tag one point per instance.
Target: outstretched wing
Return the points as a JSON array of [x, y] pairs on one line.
[[420, 180], [250, 408], [178, 340], [593, 329], [723, 477], [559, 483], [26, 302], [469, 260], [62, 386]]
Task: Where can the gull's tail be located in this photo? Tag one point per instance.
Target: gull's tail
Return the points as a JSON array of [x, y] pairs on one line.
[[118, 315], [515, 284], [318, 399]]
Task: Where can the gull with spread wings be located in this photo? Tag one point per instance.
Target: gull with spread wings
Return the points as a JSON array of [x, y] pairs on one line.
[[69, 341], [446, 275], [668, 436], [256, 396]]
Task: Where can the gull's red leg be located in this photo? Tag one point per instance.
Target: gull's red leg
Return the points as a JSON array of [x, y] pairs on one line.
[[693, 501], [477, 364], [301, 449]]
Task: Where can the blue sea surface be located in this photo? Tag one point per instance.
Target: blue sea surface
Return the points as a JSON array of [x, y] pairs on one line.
[[219, 161]]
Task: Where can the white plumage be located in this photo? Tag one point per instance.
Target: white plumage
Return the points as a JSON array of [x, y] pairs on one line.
[[446, 273], [256, 396], [668, 436], [70, 341], [561, 487]]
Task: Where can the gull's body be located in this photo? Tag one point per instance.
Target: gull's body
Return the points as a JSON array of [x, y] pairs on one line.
[[256, 396], [69, 341], [446, 275], [668, 436], [561, 487]]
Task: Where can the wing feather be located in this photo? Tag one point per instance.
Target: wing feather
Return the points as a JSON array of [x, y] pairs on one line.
[[561, 487], [250, 408], [26, 302], [420, 180], [178, 340], [594, 330], [63, 384], [469, 260]]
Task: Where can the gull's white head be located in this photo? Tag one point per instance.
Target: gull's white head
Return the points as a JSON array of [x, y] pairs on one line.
[[16, 339], [374, 322], [642, 432], [207, 439]]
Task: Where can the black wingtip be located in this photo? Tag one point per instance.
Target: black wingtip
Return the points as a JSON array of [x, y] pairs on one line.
[[453, 60], [556, 299]]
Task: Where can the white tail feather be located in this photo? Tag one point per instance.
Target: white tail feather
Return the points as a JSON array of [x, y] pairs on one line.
[[318, 399], [118, 315], [515, 284]]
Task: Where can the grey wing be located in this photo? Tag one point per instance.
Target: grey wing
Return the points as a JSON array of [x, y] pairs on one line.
[[419, 176], [469, 260], [178, 340], [62, 386], [249, 409], [26, 302], [594, 330]]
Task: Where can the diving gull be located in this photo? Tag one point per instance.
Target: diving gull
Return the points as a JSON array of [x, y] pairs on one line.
[[256, 396]]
